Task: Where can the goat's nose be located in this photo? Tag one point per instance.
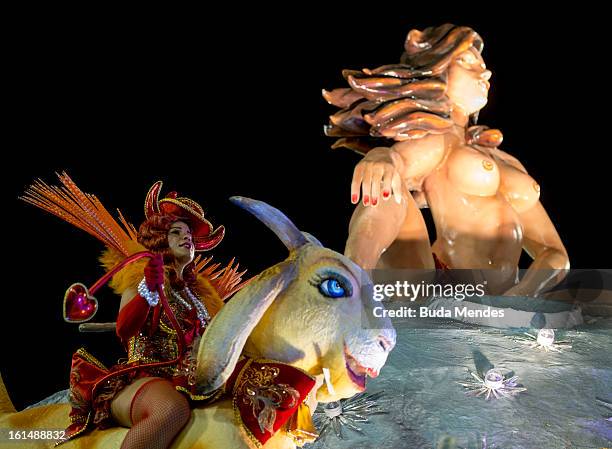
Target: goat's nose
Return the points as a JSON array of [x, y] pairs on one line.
[[384, 343]]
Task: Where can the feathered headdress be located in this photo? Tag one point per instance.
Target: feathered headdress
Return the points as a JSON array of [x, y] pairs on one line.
[[205, 237], [86, 212]]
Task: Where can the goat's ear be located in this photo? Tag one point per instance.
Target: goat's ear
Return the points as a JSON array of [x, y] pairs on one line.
[[222, 343]]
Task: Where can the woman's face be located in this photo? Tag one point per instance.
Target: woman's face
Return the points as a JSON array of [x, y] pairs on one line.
[[468, 81], [180, 242]]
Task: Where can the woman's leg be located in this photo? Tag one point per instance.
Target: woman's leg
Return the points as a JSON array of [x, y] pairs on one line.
[[154, 410]]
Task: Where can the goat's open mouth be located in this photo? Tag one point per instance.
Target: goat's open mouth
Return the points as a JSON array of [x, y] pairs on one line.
[[357, 372]]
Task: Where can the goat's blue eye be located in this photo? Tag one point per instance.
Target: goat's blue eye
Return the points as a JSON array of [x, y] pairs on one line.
[[332, 288]]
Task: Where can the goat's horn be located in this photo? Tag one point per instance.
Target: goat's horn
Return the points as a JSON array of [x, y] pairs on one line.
[[274, 219]]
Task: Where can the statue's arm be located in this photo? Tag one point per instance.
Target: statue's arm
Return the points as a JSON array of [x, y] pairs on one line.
[[543, 243]]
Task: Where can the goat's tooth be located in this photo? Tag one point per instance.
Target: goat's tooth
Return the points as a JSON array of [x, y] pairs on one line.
[[373, 373], [327, 376]]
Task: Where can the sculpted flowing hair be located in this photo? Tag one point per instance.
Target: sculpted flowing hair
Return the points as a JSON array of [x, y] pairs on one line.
[[153, 235], [400, 101]]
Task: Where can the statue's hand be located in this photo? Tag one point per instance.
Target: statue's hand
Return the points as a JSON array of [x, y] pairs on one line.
[[379, 170]]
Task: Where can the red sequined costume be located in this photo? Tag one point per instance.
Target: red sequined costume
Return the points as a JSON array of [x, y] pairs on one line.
[[155, 341], [151, 340]]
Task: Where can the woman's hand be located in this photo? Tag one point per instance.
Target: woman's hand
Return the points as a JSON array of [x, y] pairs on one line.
[[154, 273], [379, 170]]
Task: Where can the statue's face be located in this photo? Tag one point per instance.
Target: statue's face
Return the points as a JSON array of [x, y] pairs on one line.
[[180, 242], [468, 81]]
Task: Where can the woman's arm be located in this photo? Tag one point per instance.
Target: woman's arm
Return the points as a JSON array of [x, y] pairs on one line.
[[135, 303], [393, 226], [133, 312], [380, 169], [550, 260], [389, 170]]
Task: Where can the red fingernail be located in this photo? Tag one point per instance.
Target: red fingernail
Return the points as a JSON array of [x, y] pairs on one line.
[[386, 194], [354, 199], [374, 201], [366, 200]]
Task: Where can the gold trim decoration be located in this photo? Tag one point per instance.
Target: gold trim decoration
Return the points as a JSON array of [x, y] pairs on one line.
[[90, 358], [201, 397], [77, 433], [252, 439], [166, 328]]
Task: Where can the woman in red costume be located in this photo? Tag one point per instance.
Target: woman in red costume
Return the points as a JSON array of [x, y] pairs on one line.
[[150, 392]]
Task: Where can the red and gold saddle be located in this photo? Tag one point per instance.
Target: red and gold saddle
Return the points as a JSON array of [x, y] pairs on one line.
[[267, 396]]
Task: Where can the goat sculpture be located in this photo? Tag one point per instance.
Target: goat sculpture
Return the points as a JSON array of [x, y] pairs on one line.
[[306, 312]]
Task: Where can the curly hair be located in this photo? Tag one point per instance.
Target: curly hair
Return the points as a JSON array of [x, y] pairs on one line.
[[153, 235], [400, 101]]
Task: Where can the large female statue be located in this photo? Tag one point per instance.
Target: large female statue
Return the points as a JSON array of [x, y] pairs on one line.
[[412, 121]]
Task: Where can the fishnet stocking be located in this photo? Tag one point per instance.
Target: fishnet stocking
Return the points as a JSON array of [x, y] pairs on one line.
[[158, 413]]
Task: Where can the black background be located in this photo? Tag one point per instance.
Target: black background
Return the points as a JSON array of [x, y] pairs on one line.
[[221, 104]]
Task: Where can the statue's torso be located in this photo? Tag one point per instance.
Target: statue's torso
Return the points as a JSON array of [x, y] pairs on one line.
[[476, 196]]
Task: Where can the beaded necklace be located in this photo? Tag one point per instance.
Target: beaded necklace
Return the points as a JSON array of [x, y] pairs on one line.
[[194, 301]]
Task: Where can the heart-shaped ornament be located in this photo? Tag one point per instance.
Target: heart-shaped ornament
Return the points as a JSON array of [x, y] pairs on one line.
[[79, 305]]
